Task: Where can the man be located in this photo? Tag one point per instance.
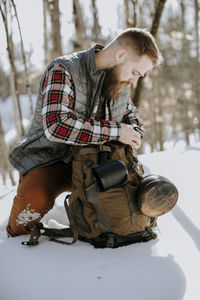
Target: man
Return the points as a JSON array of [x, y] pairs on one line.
[[83, 99]]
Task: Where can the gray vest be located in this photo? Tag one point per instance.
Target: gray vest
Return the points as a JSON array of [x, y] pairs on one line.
[[35, 150]]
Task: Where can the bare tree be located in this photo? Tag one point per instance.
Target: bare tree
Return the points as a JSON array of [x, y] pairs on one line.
[[184, 54], [81, 41], [10, 49], [134, 12], [130, 21], [197, 8], [127, 13], [160, 115], [154, 30], [46, 44], [5, 166], [27, 81], [96, 29], [157, 17], [53, 8]]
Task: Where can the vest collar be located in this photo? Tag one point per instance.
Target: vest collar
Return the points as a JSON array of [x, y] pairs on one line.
[[91, 59]]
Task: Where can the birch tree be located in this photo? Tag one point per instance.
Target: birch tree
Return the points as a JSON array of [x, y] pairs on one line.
[[196, 26], [54, 12], [197, 8], [130, 15], [81, 41], [27, 81], [10, 48], [96, 29], [5, 165], [47, 55]]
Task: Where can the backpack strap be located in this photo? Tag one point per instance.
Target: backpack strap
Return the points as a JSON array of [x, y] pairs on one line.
[[91, 191], [90, 150], [39, 230], [130, 204], [92, 197], [54, 233], [109, 240]]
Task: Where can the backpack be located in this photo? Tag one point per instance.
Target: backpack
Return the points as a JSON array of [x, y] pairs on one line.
[[102, 208]]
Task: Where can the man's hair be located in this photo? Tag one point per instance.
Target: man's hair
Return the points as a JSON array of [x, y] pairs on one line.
[[141, 41]]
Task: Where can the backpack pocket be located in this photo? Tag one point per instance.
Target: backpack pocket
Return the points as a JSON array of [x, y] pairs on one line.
[[117, 207]]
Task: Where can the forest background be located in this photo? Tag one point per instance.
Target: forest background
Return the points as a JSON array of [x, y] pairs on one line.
[[33, 32]]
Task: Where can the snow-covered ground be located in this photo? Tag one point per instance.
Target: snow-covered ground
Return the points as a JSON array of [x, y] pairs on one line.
[[164, 269], [7, 115]]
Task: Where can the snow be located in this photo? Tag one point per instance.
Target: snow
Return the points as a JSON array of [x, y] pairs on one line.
[[27, 215], [164, 269], [8, 122]]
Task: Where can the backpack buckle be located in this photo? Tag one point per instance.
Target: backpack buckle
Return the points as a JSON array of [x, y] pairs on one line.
[[110, 241], [36, 233]]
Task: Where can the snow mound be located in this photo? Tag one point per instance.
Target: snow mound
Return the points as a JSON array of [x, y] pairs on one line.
[[162, 269]]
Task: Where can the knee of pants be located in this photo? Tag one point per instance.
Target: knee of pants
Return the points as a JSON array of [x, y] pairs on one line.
[[28, 208], [38, 198]]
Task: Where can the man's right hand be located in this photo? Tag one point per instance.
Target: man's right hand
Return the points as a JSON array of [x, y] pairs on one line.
[[129, 136]]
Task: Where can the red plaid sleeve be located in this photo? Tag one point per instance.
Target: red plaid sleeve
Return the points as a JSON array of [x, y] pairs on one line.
[[59, 121], [131, 117]]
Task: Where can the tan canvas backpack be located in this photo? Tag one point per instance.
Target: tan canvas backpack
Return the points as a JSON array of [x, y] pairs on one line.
[[102, 208], [98, 209]]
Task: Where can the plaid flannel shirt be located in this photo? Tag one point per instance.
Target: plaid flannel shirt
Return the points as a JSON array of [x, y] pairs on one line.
[[62, 125]]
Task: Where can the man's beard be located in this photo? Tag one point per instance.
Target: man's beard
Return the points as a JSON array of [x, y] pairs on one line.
[[112, 86]]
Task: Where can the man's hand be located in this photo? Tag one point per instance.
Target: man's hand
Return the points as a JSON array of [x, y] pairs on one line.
[[129, 136]]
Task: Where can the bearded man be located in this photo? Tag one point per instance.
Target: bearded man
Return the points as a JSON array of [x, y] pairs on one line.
[[83, 99]]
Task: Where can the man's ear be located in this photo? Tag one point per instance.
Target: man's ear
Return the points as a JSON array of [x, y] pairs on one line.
[[121, 54]]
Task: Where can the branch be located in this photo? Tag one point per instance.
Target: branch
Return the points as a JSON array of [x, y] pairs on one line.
[[28, 88], [12, 64]]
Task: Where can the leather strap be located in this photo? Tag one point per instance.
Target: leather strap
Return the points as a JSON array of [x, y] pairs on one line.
[[92, 197], [90, 150]]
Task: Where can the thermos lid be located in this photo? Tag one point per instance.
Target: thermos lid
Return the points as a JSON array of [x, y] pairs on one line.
[[156, 195]]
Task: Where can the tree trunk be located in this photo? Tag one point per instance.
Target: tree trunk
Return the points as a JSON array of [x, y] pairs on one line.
[[14, 102], [141, 23], [46, 48], [4, 155], [27, 81], [187, 138], [81, 39], [96, 30], [157, 17], [154, 112], [160, 121], [185, 53], [134, 2], [130, 21], [127, 13], [10, 49], [53, 7], [154, 30], [197, 8]]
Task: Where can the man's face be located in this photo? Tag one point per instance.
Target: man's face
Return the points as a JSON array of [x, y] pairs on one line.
[[124, 74]]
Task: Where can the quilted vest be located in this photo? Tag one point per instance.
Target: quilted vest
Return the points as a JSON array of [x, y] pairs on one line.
[[35, 150]]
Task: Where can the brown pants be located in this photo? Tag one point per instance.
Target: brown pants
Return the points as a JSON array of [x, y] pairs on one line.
[[36, 195]]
